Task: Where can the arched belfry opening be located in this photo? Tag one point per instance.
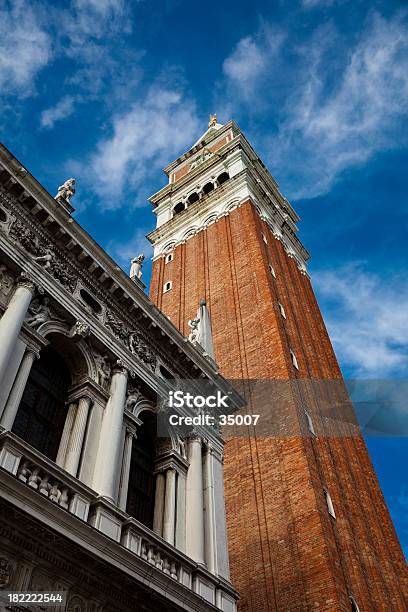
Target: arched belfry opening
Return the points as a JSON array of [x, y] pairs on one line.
[[141, 491], [42, 411]]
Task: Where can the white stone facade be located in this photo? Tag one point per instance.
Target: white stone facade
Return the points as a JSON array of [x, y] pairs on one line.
[[59, 291]]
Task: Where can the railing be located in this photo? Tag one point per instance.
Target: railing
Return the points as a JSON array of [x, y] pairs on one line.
[[58, 487]]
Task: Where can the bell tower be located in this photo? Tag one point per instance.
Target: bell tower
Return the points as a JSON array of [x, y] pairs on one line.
[[308, 527]]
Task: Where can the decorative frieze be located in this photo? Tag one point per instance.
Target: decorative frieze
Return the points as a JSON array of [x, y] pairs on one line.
[[36, 242]]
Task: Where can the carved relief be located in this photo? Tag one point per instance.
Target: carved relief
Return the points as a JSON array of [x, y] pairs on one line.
[[133, 396], [80, 330], [46, 259], [139, 347], [43, 254], [24, 236], [6, 280], [38, 313], [5, 572], [103, 370], [117, 327], [76, 604], [60, 272]]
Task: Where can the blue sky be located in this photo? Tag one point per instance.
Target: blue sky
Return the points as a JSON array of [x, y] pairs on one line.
[[110, 91]]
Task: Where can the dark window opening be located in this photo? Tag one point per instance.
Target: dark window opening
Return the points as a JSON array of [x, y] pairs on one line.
[[3, 216], [194, 197], [165, 373], [208, 187], [141, 491], [90, 301], [41, 415], [222, 178], [178, 208]]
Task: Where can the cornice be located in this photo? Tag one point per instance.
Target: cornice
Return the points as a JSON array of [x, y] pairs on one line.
[[233, 194]]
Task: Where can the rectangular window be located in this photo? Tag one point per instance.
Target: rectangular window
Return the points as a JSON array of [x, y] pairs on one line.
[[329, 503], [168, 258], [294, 360], [282, 310], [167, 286]]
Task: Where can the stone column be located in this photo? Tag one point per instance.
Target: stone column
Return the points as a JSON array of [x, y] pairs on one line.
[[12, 321], [169, 519], [76, 438], [195, 503], [216, 545], [17, 390], [107, 468], [124, 478], [159, 504], [69, 421]]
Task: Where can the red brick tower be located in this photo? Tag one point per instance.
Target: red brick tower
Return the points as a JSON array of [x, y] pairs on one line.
[[308, 526]]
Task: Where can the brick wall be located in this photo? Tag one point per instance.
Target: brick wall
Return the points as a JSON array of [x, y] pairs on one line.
[[286, 551]]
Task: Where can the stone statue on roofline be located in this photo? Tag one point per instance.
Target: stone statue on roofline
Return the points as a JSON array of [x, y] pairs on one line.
[[66, 191], [136, 267]]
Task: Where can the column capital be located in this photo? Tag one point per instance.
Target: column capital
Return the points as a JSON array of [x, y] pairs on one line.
[[131, 431], [120, 368], [26, 281], [194, 436], [87, 397]]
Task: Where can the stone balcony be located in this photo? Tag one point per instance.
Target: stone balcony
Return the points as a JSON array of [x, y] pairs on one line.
[[31, 481]]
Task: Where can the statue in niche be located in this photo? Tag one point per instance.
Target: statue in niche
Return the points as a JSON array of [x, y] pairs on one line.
[[38, 313], [46, 259], [66, 191], [194, 335], [136, 267], [103, 370]]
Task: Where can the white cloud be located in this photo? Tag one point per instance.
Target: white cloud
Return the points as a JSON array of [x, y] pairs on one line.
[[25, 47], [143, 139], [367, 319], [63, 109], [338, 105], [249, 62]]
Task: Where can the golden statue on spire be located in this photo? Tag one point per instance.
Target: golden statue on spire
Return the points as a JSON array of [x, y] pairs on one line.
[[213, 120]]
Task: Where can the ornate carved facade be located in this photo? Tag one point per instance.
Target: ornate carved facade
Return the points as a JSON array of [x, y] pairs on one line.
[[93, 502]]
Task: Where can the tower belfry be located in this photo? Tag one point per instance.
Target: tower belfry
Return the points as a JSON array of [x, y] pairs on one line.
[[308, 527]]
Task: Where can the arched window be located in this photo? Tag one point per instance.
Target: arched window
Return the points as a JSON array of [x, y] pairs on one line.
[[178, 208], [354, 606], [41, 415], [140, 499], [208, 187], [194, 197], [222, 178]]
